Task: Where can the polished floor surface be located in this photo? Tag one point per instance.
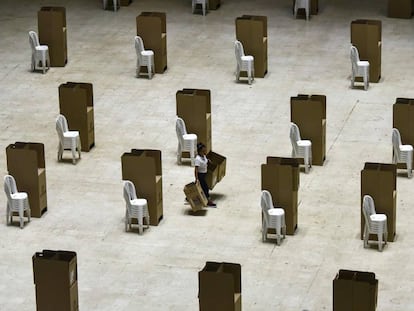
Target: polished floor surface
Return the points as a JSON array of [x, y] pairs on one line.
[[158, 270]]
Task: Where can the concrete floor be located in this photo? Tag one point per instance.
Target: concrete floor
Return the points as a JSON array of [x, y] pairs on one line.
[[158, 271]]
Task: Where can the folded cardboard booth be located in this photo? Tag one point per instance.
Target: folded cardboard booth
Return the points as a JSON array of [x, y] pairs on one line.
[[143, 168], [314, 9], [380, 182], [403, 120], [194, 107], [26, 163], [280, 176], [152, 28], [56, 280], [366, 37], [251, 31], [355, 291], [216, 169], [400, 8], [76, 104], [52, 32], [219, 287], [195, 196], [308, 112]]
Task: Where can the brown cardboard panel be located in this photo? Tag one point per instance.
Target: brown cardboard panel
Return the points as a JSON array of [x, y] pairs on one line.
[[379, 181], [55, 278], [251, 31], [194, 107], [52, 32], [220, 287], [26, 163], [280, 176], [152, 28], [217, 165], [125, 2], [76, 104], [309, 114], [400, 8], [366, 36], [195, 196], [143, 167], [214, 4]]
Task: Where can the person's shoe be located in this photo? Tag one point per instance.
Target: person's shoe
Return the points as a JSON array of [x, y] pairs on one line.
[[211, 204]]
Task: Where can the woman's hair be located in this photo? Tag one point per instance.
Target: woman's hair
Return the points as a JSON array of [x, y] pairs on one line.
[[200, 146]]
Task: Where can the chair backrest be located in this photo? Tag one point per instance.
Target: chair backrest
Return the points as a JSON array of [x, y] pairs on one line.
[[354, 58], [396, 142], [61, 126], [34, 40], [180, 129], [368, 209], [266, 203], [129, 192], [294, 135], [139, 45], [9, 186], [238, 50]]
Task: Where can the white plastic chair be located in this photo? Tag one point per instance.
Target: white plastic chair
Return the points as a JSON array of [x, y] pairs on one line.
[[359, 68], [135, 208], [402, 153], [16, 201], [186, 142], [272, 217], [40, 53], [244, 62], [374, 223], [300, 148], [115, 3], [302, 4], [204, 4], [144, 57], [68, 140]]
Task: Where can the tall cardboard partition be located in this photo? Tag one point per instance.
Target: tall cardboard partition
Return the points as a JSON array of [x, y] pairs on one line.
[[194, 107], [52, 32], [26, 163], [152, 28], [219, 287], [143, 168], [280, 176], [216, 169], [76, 104], [403, 120], [214, 4], [314, 8], [380, 182], [400, 8], [56, 280], [355, 291], [366, 36], [309, 113], [125, 2], [251, 31]]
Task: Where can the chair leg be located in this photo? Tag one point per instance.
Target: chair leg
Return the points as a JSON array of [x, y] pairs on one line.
[[140, 224], [21, 217], [264, 231], [179, 154], [237, 73], [192, 155], [126, 220], [204, 8], [409, 168], [380, 235], [73, 155], [366, 236], [149, 70], [278, 235]]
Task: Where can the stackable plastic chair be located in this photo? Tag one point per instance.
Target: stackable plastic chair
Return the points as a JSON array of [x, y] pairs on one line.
[[204, 4], [300, 148], [359, 68], [186, 142], [115, 3], [374, 223], [244, 62], [135, 208], [272, 218], [40, 53], [68, 140], [144, 57], [16, 201], [302, 4], [402, 153]]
